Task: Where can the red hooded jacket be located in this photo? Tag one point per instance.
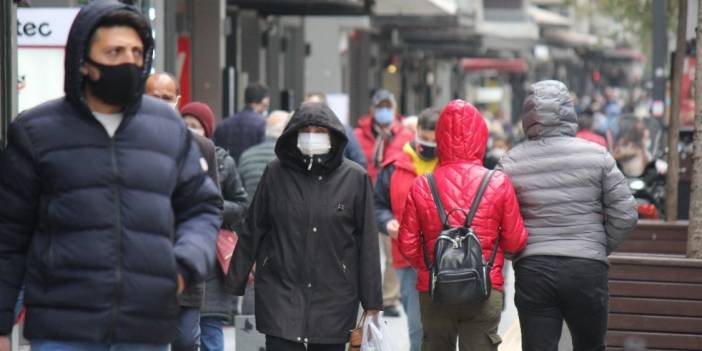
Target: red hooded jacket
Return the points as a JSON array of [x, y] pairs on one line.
[[366, 137], [461, 135]]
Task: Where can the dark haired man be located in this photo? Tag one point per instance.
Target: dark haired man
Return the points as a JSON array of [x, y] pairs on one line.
[[110, 213], [417, 158], [248, 127]]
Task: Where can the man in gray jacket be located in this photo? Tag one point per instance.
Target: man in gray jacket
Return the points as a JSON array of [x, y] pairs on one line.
[[577, 208]]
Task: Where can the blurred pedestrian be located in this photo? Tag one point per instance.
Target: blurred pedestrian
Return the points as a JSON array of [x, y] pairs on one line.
[[577, 208], [254, 160], [164, 86], [218, 304], [312, 234], [498, 145], [382, 136], [246, 128], [353, 149], [630, 150], [417, 158], [612, 110], [461, 135], [380, 132], [112, 215], [586, 129]]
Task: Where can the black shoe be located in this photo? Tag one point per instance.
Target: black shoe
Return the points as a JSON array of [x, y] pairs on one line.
[[391, 311]]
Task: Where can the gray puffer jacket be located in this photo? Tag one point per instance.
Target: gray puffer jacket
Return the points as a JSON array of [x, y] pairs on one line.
[[574, 200]]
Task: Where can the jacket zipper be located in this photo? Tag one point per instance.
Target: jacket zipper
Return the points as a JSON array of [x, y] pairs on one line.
[[118, 270], [308, 291]]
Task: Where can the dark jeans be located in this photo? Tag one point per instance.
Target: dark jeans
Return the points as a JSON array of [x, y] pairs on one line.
[[551, 289], [188, 334], [473, 325], [211, 334], [277, 344]]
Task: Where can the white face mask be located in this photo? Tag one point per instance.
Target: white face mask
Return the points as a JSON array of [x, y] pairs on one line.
[[311, 144]]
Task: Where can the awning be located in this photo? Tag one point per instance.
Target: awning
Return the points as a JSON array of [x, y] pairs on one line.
[[453, 42], [576, 39], [547, 2], [515, 65], [624, 54], [548, 18], [425, 13], [508, 36], [306, 7], [415, 8]]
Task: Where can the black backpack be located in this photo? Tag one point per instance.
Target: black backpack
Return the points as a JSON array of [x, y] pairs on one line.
[[460, 273]]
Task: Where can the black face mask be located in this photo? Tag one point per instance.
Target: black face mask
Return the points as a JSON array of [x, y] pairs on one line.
[[117, 84], [427, 153]]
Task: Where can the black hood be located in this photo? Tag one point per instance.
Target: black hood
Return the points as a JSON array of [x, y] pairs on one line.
[[308, 114], [81, 30]]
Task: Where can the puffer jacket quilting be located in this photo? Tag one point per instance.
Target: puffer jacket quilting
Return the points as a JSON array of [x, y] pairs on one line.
[[574, 200], [462, 139]]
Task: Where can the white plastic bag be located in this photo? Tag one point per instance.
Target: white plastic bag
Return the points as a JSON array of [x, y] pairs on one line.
[[376, 336]]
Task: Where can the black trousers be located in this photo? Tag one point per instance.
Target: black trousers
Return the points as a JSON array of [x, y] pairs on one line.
[[277, 344], [551, 289]]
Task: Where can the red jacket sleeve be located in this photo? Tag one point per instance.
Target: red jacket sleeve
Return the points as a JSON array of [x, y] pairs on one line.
[[514, 235], [409, 238]]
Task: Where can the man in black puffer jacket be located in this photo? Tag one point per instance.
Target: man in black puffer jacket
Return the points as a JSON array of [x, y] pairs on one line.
[[106, 211]]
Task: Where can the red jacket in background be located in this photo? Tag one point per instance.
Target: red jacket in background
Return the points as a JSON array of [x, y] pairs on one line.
[[366, 137], [401, 182], [592, 137], [461, 135]]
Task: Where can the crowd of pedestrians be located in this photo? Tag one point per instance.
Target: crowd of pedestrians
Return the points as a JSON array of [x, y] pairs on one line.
[[119, 197]]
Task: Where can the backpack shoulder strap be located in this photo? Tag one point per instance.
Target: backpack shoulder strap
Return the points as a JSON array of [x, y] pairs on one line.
[[437, 201], [478, 197]]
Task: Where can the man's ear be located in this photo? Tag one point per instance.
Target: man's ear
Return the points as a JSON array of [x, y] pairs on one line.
[[177, 101]]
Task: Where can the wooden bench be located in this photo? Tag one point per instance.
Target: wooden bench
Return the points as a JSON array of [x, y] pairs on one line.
[[657, 299], [657, 237]]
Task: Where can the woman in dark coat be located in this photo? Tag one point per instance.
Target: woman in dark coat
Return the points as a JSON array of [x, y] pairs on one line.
[[312, 234], [217, 304]]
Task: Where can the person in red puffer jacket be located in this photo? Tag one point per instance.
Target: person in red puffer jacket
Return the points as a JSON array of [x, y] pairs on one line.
[[461, 135]]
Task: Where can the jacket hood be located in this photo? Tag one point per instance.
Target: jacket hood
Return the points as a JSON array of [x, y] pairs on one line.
[[76, 50], [461, 134], [308, 114], [548, 111]]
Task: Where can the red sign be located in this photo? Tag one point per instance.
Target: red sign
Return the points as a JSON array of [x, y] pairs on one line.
[[183, 69]]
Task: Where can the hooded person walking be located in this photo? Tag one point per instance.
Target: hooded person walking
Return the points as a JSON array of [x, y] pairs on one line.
[[578, 208], [311, 232], [461, 136]]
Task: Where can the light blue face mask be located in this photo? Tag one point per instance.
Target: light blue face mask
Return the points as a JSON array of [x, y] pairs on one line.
[[383, 116]]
